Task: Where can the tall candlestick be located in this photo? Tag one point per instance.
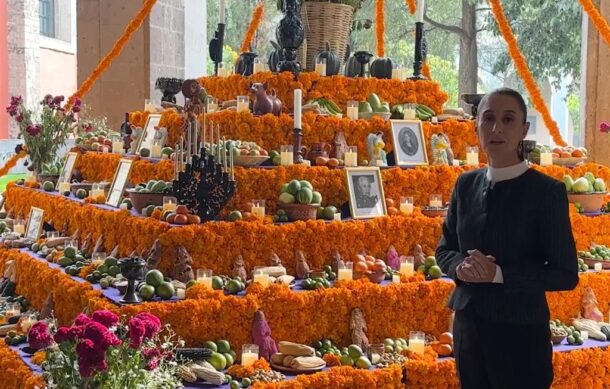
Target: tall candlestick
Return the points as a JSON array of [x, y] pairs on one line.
[[232, 167], [221, 12], [189, 134], [224, 152], [297, 108], [420, 11]]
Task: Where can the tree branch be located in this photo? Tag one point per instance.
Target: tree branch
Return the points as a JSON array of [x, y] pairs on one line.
[[453, 29]]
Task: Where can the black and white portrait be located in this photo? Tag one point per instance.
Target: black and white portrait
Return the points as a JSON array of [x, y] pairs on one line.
[[366, 192], [34, 227], [67, 169], [119, 183], [409, 145]]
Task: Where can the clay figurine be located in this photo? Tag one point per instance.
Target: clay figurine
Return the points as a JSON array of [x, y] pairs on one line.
[[418, 256], [263, 102], [239, 268], [336, 261], [153, 256], [183, 270], [589, 306], [275, 260], [339, 145], [393, 259], [358, 327], [375, 145], [261, 336], [441, 150], [302, 266]]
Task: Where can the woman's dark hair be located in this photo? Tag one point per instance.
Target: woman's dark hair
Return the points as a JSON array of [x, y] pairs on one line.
[[512, 93]]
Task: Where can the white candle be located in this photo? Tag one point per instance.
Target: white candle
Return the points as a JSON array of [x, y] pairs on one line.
[[598, 266], [436, 204], [420, 11], [207, 281], [286, 158], [258, 211], [117, 147], [321, 68], [472, 159], [546, 159], [298, 97], [170, 206], [95, 193], [417, 345], [352, 113], [221, 12], [406, 208], [261, 278], [19, 229], [396, 279], [407, 268], [345, 274], [351, 158], [248, 359], [155, 151]]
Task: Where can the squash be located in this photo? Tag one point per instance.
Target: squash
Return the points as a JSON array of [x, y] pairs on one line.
[[352, 67], [382, 68], [245, 63], [332, 61], [275, 57]]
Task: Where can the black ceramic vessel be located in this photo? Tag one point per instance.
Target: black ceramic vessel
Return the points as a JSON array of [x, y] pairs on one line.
[[131, 269], [363, 58], [290, 35], [170, 87]]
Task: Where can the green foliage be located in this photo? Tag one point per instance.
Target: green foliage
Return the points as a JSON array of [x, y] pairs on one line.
[[446, 74], [573, 103]]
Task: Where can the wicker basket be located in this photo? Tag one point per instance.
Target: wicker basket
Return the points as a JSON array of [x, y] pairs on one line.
[[590, 202], [325, 22], [299, 211]]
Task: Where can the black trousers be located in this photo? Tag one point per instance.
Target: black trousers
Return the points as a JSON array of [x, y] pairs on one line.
[[501, 356]]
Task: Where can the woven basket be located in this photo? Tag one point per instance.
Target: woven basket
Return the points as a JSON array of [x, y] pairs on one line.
[[299, 211], [325, 22]]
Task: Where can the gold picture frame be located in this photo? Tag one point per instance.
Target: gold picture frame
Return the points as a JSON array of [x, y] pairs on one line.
[[146, 138], [35, 223], [67, 169], [409, 143], [366, 195], [119, 182]]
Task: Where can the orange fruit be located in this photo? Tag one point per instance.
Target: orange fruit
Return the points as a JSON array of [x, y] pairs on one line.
[[370, 258], [171, 218], [182, 210], [389, 203], [359, 258], [444, 350], [181, 219], [446, 338], [193, 219], [393, 211], [360, 267], [555, 155], [565, 154], [380, 265], [577, 153], [370, 265], [557, 150]]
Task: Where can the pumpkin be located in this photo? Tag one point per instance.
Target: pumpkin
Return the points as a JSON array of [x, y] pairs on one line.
[[245, 64], [275, 57], [352, 67], [382, 68], [332, 61]]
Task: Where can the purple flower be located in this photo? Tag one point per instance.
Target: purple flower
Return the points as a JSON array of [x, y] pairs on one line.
[[105, 317], [16, 100], [19, 118], [152, 324], [34, 129], [81, 319], [100, 336], [136, 332], [39, 336], [76, 109], [90, 359]]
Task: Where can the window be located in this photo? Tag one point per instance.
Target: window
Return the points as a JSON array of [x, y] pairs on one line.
[[47, 18]]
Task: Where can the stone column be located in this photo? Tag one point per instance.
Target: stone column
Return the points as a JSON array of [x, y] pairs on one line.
[[23, 53], [596, 91]]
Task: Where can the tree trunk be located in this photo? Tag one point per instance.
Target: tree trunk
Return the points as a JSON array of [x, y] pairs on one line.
[[469, 62]]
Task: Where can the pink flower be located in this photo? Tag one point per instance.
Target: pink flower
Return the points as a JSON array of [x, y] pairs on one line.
[[68, 334], [39, 336], [34, 129], [604, 127], [151, 322], [101, 337], [105, 317], [90, 359], [76, 109], [153, 356], [136, 332], [19, 118], [81, 319]]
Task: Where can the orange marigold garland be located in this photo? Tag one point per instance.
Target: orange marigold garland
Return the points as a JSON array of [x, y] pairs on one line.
[[380, 27], [524, 71], [11, 163], [257, 18], [119, 45], [598, 20], [426, 70], [412, 6]]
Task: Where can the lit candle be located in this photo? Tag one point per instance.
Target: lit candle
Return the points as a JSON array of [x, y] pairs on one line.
[[64, 186], [320, 68], [598, 266], [249, 354], [546, 159], [352, 110], [117, 147], [420, 11], [297, 108], [261, 277], [13, 309], [243, 104], [19, 228], [351, 156], [406, 205], [396, 279], [258, 208], [417, 341], [472, 156], [407, 266], [204, 277], [345, 271], [259, 65], [221, 12], [97, 192], [170, 203], [286, 155], [155, 151]]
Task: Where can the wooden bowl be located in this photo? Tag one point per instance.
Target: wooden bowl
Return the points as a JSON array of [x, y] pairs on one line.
[[375, 277], [250, 160], [300, 211], [434, 212], [143, 200], [590, 202], [557, 339], [370, 115], [591, 263]]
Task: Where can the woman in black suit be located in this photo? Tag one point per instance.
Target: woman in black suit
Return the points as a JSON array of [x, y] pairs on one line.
[[507, 239]]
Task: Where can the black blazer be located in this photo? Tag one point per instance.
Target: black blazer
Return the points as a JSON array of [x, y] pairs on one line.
[[524, 223]]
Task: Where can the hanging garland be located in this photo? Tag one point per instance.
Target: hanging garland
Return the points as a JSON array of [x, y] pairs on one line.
[[116, 50], [524, 72], [412, 6], [257, 18], [598, 20], [380, 27], [12, 162], [426, 70]]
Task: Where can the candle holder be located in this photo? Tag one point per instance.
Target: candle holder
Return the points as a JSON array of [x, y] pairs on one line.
[[290, 35], [419, 57], [297, 144], [170, 88], [406, 205], [436, 201], [216, 46], [131, 269]]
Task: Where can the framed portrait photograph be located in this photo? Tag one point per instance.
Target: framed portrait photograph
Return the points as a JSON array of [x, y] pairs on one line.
[[121, 177], [35, 223], [409, 143], [66, 171], [147, 137], [2, 199], [366, 197]]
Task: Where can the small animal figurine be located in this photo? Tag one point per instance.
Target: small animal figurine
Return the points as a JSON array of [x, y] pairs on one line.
[[358, 328], [261, 336], [302, 266], [263, 102], [375, 145], [418, 256], [183, 270], [589, 306], [336, 261], [441, 150], [239, 268]]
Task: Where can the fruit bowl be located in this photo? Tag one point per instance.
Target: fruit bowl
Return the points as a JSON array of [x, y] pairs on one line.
[[570, 161], [376, 277], [557, 339], [250, 160], [591, 263], [299, 211], [434, 212], [142, 200], [590, 202], [370, 115]]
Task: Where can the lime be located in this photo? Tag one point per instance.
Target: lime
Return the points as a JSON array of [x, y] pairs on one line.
[[165, 290], [346, 360], [429, 262], [217, 283], [435, 272], [234, 385], [114, 271], [235, 216], [147, 292], [317, 344], [210, 345], [154, 277], [363, 363], [218, 361], [229, 358], [246, 382], [354, 351], [327, 343], [70, 252], [223, 346]]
